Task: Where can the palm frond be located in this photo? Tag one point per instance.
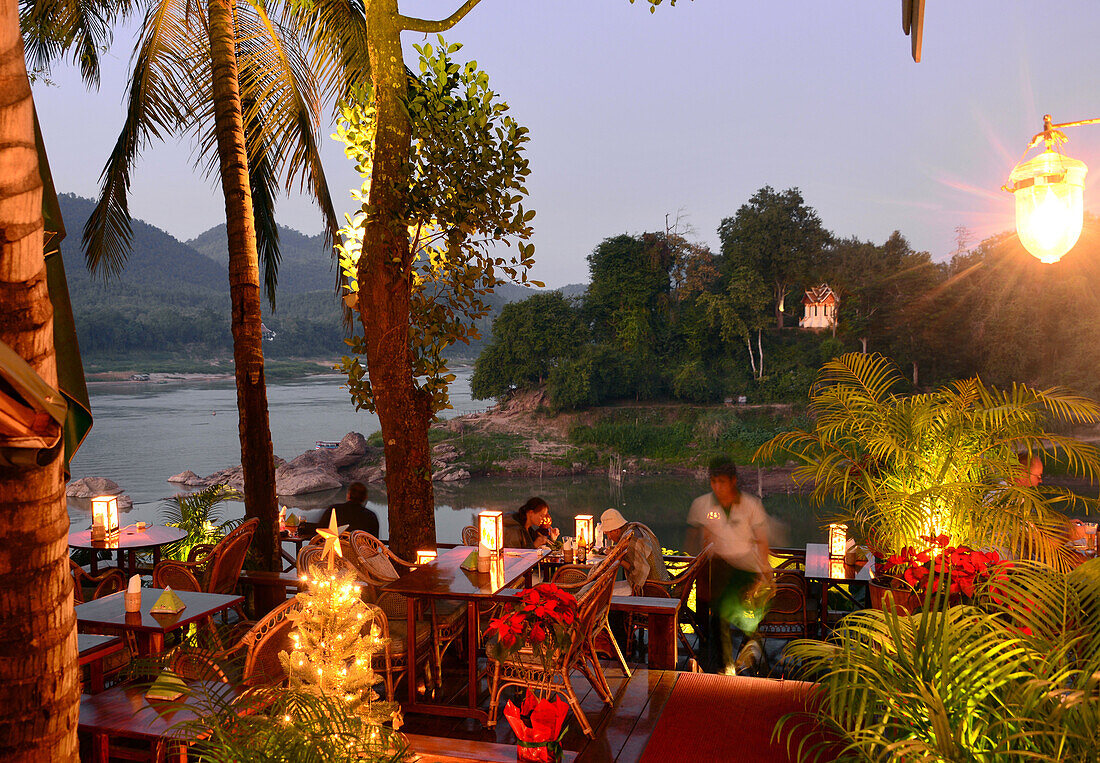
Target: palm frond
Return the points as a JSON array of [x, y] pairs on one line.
[[53, 28], [152, 112]]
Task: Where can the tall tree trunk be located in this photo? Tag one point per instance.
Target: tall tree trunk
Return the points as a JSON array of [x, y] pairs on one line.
[[39, 679], [760, 353], [863, 343], [257, 454], [752, 360], [780, 297], [404, 411], [914, 374]]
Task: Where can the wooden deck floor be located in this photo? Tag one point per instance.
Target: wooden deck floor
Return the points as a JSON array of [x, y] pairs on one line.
[[621, 729]]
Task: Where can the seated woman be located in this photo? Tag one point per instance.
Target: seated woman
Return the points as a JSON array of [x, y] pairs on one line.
[[530, 526]]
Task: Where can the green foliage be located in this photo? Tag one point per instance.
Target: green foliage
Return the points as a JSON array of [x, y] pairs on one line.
[[693, 383], [199, 515], [466, 183], [642, 438], [275, 725], [939, 462], [776, 236], [571, 383], [1016, 677], [530, 339]]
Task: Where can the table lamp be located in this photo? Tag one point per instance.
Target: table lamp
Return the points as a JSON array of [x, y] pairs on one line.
[[584, 531], [104, 516], [425, 557], [838, 540], [490, 538]]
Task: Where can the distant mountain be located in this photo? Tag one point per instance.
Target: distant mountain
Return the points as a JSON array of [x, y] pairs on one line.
[[158, 260], [573, 290], [305, 263]]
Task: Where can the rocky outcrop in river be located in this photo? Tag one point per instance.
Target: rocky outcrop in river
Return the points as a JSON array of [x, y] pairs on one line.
[[353, 460]]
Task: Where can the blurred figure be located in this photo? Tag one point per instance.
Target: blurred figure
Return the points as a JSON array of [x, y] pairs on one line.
[[529, 526], [737, 526], [643, 559], [354, 512]]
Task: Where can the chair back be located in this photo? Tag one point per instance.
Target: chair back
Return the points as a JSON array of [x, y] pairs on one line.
[[592, 608], [683, 582], [106, 582], [223, 568], [470, 536], [264, 641], [787, 617], [311, 556], [372, 558]]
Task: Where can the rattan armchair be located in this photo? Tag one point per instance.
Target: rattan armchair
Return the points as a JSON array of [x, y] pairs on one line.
[[210, 569], [572, 577], [470, 536], [376, 564], [678, 587], [787, 617], [106, 582], [526, 670]]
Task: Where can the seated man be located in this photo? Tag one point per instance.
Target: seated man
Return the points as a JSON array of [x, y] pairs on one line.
[[354, 512], [643, 559]]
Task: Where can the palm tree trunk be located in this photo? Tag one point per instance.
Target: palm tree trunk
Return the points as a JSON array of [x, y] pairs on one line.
[[404, 411], [257, 453], [39, 681]]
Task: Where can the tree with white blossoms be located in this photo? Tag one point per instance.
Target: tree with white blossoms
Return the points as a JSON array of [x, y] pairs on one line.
[[334, 643]]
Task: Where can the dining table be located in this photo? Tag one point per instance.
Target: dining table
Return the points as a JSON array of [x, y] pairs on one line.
[[128, 540], [108, 615], [831, 572], [123, 712], [91, 651], [445, 578]]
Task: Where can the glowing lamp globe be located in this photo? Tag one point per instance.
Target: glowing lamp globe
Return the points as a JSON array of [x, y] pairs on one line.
[[584, 529], [1050, 206], [104, 515]]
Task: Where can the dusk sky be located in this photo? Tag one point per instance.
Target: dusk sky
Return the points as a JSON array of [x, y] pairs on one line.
[[690, 110]]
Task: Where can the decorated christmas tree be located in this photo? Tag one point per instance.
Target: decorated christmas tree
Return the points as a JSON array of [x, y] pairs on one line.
[[334, 643]]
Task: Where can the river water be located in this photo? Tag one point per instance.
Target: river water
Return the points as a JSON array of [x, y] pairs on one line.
[[147, 432]]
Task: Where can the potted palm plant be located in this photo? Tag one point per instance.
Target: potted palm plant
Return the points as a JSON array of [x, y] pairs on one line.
[[1014, 676], [947, 462]]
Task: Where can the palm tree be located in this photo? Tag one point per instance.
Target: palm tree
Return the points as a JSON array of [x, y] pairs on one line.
[[247, 80], [39, 685]]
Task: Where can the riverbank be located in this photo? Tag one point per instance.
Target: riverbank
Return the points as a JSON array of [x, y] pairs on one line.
[[154, 370]]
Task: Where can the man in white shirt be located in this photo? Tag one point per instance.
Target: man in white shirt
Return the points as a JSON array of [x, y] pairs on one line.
[[736, 524]]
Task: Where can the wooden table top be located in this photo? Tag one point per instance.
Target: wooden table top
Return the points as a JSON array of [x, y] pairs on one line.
[[90, 646], [821, 566], [445, 579], [129, 538], [124, 711], [110, 611]]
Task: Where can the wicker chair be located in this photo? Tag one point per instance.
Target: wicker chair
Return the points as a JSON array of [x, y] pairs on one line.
[[470, 536], [391, 614], [106, 582], [524, 669], [573, 577], [210, 569], [678, 587], [376, 564], [787, 617]]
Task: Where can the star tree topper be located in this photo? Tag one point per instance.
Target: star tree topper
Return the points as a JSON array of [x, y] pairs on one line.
[[331, 534]]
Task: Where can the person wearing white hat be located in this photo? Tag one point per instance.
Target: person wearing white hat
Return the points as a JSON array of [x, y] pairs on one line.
[[643, 559]]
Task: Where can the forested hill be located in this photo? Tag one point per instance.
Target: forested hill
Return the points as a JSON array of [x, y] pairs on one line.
[[172, 298], [158, 260]]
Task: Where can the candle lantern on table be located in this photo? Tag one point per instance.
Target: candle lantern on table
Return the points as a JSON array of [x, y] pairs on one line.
[[491, 538], [104, 517], [584, 533], [838, 540], [425, 557]]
